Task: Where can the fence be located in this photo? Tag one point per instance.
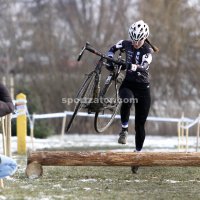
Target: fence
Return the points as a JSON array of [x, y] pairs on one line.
[[183, 124]]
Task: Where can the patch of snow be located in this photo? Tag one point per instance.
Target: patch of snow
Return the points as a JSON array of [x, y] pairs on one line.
[[57, 186], [109, 180], [87, 188], [139, 181], [152, 143], [88, 180], [33, 176], [172, 181]]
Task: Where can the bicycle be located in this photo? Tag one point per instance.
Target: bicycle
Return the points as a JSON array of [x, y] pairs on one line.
[[104, 103]]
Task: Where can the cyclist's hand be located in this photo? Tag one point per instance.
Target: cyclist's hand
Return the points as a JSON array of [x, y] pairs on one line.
[[134, 67], [109, 66]]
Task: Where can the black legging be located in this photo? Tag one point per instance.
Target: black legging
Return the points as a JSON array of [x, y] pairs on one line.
[[6, 104], [142, 99]]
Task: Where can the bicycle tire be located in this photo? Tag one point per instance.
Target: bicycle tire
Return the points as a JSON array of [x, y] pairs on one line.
[[99, 127], [87, 84]]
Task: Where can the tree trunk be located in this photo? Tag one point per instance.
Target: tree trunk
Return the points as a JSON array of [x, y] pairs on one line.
[[67, 158]]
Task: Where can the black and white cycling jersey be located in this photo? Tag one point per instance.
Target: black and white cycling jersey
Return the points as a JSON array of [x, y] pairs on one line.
[[142, 57]]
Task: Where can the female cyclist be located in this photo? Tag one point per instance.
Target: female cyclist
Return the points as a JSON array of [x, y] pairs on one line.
[[135, 88]]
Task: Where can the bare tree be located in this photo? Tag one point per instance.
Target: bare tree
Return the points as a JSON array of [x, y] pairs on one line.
[[175, 69], [40, 39]]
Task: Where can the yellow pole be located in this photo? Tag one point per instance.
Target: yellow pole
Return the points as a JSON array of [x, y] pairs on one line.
[[21, 123]]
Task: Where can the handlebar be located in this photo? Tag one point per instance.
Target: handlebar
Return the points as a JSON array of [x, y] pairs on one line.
[[94, 51]]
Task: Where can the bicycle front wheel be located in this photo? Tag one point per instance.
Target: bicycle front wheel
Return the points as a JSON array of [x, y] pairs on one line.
[[83, 97]]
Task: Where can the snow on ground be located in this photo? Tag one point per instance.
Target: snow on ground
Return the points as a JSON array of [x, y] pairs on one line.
[[152, 143]]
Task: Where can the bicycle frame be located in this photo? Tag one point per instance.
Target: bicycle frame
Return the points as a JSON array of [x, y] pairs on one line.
[[91, 88], [98, 106]]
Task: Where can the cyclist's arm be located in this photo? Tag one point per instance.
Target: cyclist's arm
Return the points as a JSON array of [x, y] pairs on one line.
[[146, 60], [119, 45]]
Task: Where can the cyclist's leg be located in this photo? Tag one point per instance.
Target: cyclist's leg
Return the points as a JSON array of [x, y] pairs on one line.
[[126, 95], [142, 107], [6, 105]]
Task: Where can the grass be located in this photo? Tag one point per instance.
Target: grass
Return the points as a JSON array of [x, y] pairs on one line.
[[115, 183]]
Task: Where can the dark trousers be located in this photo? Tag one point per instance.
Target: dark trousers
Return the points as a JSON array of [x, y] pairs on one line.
[[6, 104], [139, 94]]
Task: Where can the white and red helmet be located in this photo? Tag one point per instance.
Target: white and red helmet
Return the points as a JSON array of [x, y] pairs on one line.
[[138, 31]]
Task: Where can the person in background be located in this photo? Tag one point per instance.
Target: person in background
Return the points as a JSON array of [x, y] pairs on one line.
[[6, 104], [136, 87], [8, 166]]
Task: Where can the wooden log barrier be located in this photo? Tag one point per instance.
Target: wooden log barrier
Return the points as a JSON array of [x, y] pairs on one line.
[[37, 159]]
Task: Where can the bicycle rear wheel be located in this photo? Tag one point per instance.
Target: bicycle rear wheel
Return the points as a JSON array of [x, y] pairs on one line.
[[83, 96], [104, 118]]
